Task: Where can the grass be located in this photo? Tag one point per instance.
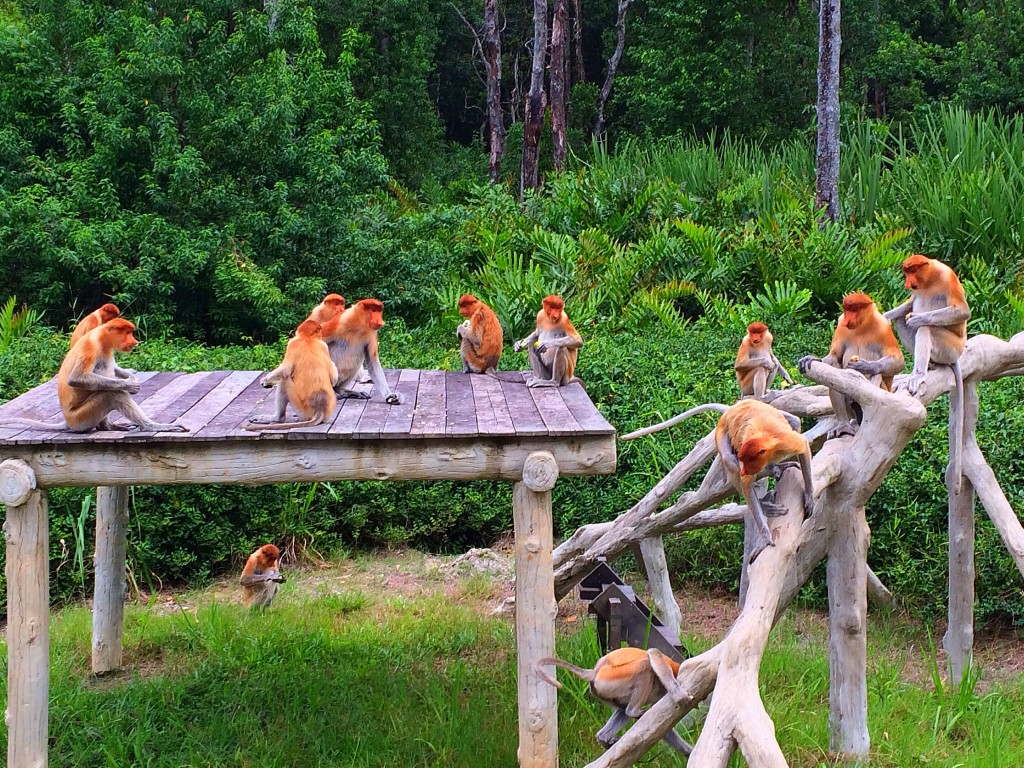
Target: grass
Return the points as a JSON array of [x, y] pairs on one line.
[[395, 661]]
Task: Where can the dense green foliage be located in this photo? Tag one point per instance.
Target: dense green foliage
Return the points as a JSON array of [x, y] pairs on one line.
[[338, 673]]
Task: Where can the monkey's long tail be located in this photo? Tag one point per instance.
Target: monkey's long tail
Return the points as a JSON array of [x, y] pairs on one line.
[[58, 426], [956, 457], [279, 425], [586, 674], [676, 419]]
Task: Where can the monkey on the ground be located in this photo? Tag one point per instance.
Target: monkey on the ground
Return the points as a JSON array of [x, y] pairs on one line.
[[93, 320], [332, 306], [864, 342], [352, 340], [751, 436], [480, 336], [933, 323], [90, 385], [261, 577], [627, 680], [553, 346], [305, 378], [756, 364]]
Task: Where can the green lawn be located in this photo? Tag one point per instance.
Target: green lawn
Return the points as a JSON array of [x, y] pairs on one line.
[[392, 662]]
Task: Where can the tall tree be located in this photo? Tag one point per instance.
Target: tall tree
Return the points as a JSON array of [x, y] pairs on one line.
[[559, 82], [535, 101], [826, 186], [492, 60], [613, 65], [577, 36]]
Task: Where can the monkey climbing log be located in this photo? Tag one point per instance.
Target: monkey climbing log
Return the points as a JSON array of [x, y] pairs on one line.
[[449, 426], [846, 472]]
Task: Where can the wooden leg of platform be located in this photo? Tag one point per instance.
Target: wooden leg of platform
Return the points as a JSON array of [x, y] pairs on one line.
[[108, 597], [28, 616], [535, 611]]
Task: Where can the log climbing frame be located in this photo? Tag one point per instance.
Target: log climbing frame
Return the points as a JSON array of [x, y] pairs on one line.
[[451, 426]]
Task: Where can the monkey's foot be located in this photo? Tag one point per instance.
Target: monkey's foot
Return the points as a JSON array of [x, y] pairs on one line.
[[842, 429], [776, 470], [771, 508], [115, 426], [913, 383], [758, 550], [348, 394]]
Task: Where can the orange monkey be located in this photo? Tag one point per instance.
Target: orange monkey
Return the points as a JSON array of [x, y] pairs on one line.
[[306, 379], [751, 436], [553, 346], [332, 305], [933, 322], [93, 320], [864, 342], [352, 340], [480, 336], [627, 680], [90, 385], [756, 364], [261, 577]]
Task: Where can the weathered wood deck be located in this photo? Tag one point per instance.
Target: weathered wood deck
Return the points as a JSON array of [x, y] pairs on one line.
[[451, 426]]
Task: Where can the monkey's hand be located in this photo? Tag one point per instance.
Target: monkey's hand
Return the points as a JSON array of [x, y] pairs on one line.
[[804, 363], [867, 367], [916, 321], [393, 399], [266, 383], [132, 386], [519, 346], [463, 327]]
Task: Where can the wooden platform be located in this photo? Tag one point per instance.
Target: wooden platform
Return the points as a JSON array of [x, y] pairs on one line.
[[215, 405], [451, 426]]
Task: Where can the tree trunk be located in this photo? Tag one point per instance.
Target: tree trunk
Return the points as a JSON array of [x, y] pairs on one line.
[[613, 65], [559, 79], [492, 60], [577, 36], [827, 177], [534, 118]]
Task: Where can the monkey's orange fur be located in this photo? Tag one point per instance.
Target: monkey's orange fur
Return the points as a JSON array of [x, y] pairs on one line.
[[352, 339], [92, 321], [935, 285], [863, 333], [760, 435], [756, 364], [332, 306], [482, 341], [261, 576], [553, 346], [305, 378]]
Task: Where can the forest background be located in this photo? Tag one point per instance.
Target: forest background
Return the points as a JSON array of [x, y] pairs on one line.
[[215, 167]]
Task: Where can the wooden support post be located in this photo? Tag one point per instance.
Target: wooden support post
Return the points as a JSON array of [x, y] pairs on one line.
[[28, 615], [847, 576], [535, 610], [109, 591], [666, 608]]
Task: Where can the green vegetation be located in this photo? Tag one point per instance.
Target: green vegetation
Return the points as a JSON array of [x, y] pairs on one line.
[[341, 673]]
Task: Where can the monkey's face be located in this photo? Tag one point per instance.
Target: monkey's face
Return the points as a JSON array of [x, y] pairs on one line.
[[125, 341], [756, 338], [376, 319], [850, 318], [554, 314], [753, 456], [335, 304], [917, 271]]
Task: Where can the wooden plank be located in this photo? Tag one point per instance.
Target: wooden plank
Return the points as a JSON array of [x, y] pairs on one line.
[[228, 421], [150, 383], [493, 417], [25, 405], [400, 417], [225, 389], [525, 416], [375, 415], [583, 409], [556, 415], [429, 418], [461, 408], [348, 417]]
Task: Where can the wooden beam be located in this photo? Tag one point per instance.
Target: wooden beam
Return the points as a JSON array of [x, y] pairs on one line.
[[28, 616], [264, 462], [109, 590]]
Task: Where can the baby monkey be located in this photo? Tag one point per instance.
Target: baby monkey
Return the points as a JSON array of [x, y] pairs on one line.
[[627, 680], [261, 576]]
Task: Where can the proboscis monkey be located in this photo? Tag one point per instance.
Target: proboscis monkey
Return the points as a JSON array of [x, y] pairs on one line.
[[627, 680], [92, 321], [261, 577], [864, 342], [756, 364], [480, 336], [553, 346], [933, 322], [90, 385], [305, 378], [751, 436], [352, 340], [333, 304]]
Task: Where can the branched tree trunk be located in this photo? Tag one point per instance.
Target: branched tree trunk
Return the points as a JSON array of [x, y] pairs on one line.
[[826, 194], [534, 118], [559, 80], [492, 60], [613, 65]]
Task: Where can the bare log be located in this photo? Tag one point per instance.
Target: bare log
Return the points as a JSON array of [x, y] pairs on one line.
[[559, 79], [613, 65], [535, 99], [826, 184], [492, 61]]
